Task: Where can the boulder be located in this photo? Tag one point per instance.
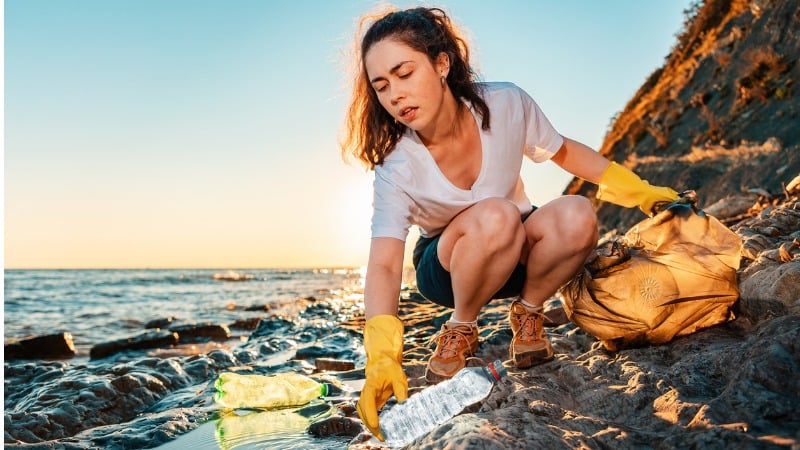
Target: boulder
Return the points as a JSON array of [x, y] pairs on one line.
[[202, 332], [50, 346]]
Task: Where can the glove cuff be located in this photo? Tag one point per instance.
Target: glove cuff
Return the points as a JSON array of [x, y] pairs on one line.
[[620, 186], [383, 334]]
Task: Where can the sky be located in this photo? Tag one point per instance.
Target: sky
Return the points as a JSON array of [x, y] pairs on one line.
[[204, 133]]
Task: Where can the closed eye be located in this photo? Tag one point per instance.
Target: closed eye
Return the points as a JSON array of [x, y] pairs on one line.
[[381, 86]]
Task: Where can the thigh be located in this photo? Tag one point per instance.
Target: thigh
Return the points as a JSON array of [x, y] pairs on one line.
[[435, 284]]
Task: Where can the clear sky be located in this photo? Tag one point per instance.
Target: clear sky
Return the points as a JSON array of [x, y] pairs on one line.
[[203, 133]]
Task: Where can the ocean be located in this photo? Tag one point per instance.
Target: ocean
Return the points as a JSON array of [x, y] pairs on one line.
[[103, 305], [150, 398]]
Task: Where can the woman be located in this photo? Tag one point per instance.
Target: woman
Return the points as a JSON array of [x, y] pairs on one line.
[[447, 153]]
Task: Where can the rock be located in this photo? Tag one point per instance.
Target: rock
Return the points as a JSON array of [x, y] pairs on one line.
[[773, 281], [333, 365], [771, 258], [51, 346], [336, 426], [233, 276], [190, 333], [160, 323], [251, 323], [731, 206], [271, 326], [146, 340], [793, 187]]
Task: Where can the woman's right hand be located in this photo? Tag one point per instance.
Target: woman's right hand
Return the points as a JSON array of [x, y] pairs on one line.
[[383, 343]]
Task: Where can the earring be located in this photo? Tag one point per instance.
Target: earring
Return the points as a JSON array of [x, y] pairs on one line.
[[443, 80]]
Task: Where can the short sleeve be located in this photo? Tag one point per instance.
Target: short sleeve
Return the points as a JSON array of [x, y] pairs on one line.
[[391, 208], [542, 141]]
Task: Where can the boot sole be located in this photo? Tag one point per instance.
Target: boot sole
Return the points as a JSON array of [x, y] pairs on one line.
[[530, 359], [434, 378]]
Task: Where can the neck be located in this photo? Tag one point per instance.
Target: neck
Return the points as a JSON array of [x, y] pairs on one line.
[[449, 124]]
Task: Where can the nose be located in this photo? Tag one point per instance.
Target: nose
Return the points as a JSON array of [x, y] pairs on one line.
[[396, 94]]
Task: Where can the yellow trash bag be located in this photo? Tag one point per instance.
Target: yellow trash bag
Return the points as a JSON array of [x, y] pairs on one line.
[[670, 275]]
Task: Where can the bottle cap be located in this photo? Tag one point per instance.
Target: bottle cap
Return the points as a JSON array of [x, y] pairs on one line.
[[324, 390], [497, 370]]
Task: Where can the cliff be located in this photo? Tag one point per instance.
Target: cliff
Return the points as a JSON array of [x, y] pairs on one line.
[[721, 115]]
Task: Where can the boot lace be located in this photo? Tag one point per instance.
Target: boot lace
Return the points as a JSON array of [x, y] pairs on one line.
[[449, 343], [529, 330]]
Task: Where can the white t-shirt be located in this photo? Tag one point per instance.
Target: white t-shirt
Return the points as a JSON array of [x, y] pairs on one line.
[[409, 188]]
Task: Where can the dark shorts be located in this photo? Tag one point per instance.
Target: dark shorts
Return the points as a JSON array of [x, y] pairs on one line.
[[434, 282]]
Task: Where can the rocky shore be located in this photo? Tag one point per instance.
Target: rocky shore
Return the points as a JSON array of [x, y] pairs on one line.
[[735, 385]]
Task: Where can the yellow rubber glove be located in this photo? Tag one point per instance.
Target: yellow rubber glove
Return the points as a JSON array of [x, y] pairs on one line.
[[383, 342], [622, 187]]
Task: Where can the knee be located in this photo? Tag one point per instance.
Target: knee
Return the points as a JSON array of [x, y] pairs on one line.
[[499, 221], [578, 222]]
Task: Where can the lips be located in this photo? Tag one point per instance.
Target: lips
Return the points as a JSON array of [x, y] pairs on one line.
[[408, 113]]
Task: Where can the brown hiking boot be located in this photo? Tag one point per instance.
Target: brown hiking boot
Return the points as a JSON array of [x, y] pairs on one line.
[[453, 344], [530, 345]]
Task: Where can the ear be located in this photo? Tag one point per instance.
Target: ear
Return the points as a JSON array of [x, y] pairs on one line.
[[443, 64]]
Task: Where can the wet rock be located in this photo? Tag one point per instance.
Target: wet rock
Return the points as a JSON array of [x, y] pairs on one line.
[[233, 276], [189, 333], [286, 307], [257, 308], [336, 426], [163, 322], [143, 341], [60, 401], [51, 346], [333, 365], [250, 323], [269, 327]]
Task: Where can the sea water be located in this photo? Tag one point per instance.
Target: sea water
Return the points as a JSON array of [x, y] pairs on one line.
[[103, 305], [97, 306]]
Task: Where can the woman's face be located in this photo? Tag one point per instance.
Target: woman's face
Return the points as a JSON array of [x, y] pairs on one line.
[[408, 86]]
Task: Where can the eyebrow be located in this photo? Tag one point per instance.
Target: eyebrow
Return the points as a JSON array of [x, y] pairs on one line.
[[392, 71]]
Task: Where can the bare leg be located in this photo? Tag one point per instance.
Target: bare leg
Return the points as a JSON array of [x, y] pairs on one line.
[[480, 248], [560, 235]]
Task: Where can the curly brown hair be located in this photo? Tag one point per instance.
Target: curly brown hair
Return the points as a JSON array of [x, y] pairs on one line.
[[371, 133]]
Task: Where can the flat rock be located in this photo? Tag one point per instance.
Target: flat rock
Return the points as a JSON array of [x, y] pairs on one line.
[[50, 346], [335, 365], [143, 341], [163, 322], [203, 332]]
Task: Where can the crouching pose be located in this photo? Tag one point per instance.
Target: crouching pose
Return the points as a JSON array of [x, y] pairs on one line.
[[447, 152]]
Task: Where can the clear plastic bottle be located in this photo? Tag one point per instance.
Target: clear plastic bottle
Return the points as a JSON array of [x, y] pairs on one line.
[[266, 391], [425, 410]]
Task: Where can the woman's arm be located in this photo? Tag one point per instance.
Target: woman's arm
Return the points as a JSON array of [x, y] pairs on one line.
[[581, 161], [384, 276], [616, 184], [383, 332]]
